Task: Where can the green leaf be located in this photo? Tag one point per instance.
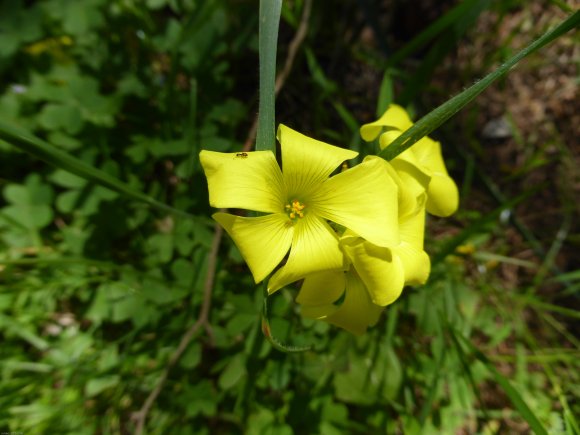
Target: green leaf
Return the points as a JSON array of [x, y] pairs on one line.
[[192, 357], [442, 113], [200, 399], [44, 151], [268, 39], [183, 271], [506, 386], [61, 117], [385, 92], [78, 18], [393, 375], [23, 331], [234, 371], [29, 203], [19, 25], [96, 386], [160, 247]]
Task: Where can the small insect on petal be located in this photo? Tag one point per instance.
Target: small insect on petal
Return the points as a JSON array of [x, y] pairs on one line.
[[242, 155]]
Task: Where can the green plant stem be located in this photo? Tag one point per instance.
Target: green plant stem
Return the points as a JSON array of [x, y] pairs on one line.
[[268, 38], [52, 155], [442, 113]]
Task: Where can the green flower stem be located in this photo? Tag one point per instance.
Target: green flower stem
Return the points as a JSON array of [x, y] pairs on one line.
[[267, 330], [268, 38], [50, 154], [442, 113]]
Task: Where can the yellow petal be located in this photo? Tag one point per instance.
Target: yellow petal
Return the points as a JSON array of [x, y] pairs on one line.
[[363, 199], [394, 117], [442, 193], [357, 312], [412, 226], [314, 249], [380, 270], [318, 311], [413, 175], [250, 181], [442, 196], [416, 263], [428, 153], [407, 197], [415, 178], [307, 162], [263, 241], [322, 288], [388, 137]]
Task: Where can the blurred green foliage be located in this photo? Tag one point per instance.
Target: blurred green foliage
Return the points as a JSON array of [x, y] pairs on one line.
[[96, 291]]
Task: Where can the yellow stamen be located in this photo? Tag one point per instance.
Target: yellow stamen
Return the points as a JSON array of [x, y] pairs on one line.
[[294, 209]]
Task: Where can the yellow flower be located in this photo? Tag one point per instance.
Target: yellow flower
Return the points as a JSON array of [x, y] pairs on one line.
[[376, 275], [298, 202], [345, 301], [422, 159]]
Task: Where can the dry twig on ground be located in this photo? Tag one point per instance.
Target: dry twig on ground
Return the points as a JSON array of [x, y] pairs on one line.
[[140, 417]]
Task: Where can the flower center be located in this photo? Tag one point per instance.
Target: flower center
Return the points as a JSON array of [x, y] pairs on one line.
[[295, 209]]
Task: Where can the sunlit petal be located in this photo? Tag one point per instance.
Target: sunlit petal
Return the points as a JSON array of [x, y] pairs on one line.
[[428, 153], [422, 166], [443, 196], [357, 312], [307, 162], [406, 194], [250, 181], [415, 262], [414, 177], [380, 270], [263, 241], [394, 117], [314, 249], [318, 311], [412, 226], [322, 288], [388, 137], [363, 199]]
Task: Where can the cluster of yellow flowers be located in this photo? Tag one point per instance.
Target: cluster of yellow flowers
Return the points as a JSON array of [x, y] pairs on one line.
[[355, 238]]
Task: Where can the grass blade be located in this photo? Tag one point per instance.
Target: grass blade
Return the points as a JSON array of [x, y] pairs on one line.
[[432, 31], [513, 395], [268, 38], [50, 154], [442, 113], [476, 227], [386, 92], [459, 24]]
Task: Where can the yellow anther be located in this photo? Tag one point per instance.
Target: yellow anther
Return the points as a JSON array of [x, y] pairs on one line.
[[294, 209]]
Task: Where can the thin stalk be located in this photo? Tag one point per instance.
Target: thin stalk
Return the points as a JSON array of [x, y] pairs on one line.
[[267, 42], [442, 113]]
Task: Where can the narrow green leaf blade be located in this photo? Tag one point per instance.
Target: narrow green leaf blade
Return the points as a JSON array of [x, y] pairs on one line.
[[507, 387], [50, 154], [442, 113], [267, 43], [432, 31]]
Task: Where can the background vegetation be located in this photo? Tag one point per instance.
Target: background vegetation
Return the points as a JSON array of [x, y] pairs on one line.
[[117, 317]]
